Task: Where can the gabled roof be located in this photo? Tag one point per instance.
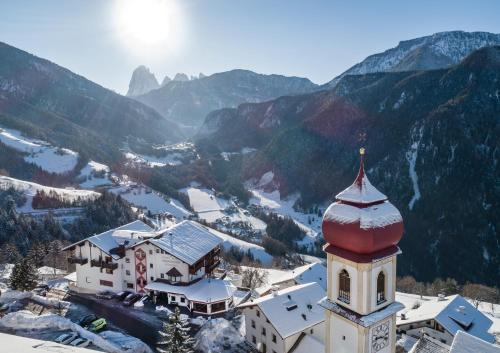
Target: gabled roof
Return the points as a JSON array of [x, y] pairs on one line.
[[428, 344], [293, 309], [127, 235], [315, 272], [206, 291], [174, 272], [454, 313], [188, 241], [307, 344], [466, 343]]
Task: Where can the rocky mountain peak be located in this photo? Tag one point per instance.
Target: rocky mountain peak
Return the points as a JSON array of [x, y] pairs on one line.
[[142, 82], [166, 80], [181, 77]]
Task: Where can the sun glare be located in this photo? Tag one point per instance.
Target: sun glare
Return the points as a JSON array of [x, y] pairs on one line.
[[148, 23]]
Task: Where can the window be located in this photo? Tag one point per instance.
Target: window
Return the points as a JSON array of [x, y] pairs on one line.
[[157, 251], [150, 265], [312, 331], [257, 313], [162, 275], [216, 307], [253, 324], [109, 271], [106, 283], [264, 348], [152, 278], [380, 288], [263, 331], [130, 285], [150, 252], [274, 338], [183, 300], [254, 340], [127, 260], [127, 272], [344, 287]]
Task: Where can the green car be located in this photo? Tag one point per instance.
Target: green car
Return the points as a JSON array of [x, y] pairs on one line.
[[97, 325]]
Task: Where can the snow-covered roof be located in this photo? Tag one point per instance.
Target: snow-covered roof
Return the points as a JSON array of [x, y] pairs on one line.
[[206, 291], [47, 270], [374, 216], [128, 234], [188, 241], [366, 320], [428, 344], [466, 343], [71, 277], [361, 191], [315, 272], [293, 309], [454, 313], [308, 344]]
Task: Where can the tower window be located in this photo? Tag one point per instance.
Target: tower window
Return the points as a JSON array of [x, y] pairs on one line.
[[344, 287], [381, 288]]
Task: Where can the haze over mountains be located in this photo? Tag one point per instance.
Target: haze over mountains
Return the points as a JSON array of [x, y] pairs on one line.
[[189, 101]]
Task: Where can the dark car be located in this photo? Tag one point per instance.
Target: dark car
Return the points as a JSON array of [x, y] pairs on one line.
[[87, 320], [122, 295], [131, 299], [105, 294]]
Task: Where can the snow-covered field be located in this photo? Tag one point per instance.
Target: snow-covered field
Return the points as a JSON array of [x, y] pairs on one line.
[[173, 155], [29, 189], [153, 201], [271, 201], [216, 334], [47, 157], [212, 209], [93, 175]]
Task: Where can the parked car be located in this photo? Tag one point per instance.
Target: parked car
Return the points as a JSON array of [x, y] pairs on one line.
[[105, 294], [87, 320], [97, 325], [131, 299], [66, 338], [80, 342], [122, 295]]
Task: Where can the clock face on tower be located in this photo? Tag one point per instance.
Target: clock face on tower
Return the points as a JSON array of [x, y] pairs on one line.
[[380, 336]]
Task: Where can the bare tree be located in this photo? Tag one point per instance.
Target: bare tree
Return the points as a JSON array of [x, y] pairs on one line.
[[479, 293], [253, 277]]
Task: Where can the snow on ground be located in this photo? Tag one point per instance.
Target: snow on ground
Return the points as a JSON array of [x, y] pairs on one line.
[[29, 189], [412, 156], [245, 150], [153, 161], [47, 157], [93, 175], [113, 342], [151, 200], [257, 251], [271, 201], [213, 209], [218, 333]]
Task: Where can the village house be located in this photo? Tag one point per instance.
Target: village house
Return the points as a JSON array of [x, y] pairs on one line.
[[462, 343], [280, 321], [173, 264], [442, 318]]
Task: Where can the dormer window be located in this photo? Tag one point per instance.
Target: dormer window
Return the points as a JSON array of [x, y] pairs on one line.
[[344, 287], [381, 288]]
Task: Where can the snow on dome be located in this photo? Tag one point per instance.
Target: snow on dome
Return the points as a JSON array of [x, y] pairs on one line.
[[375, 216]]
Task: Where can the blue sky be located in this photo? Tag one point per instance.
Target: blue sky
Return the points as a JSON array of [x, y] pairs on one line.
[[317, 39]]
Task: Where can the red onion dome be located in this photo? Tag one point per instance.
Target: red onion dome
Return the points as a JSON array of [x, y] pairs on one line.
[[362, 220]]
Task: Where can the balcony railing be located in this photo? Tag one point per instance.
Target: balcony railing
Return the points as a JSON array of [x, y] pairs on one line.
[[104, 264], [77, 260]]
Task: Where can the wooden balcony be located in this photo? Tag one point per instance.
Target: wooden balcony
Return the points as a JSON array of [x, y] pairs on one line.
[[77, 260], [103, 264]]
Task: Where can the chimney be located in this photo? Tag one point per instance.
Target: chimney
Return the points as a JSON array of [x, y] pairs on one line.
[[461, 309], [274, 291], [441, 297]]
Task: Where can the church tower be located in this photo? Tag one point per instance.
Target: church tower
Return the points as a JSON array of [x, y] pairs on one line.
[[362, 230]]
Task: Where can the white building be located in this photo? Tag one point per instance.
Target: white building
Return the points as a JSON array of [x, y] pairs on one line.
[[442, 318], [315, 272], [278, 322], [173, 263], [462, 343]]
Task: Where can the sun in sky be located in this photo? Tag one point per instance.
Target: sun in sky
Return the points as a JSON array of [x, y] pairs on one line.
[[149, 24]]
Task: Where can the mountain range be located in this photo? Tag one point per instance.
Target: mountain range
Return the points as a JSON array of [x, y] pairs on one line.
[[433, 146], [436, 51], [50, 102], [188, 101]]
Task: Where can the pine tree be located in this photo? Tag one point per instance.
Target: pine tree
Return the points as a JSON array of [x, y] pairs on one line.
[[24, 275], [174, 337]]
